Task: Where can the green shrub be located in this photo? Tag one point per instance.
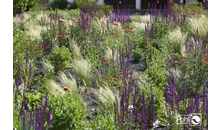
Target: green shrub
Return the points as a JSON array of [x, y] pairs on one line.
[[105, 8], [23, 5], [67, 112], [73, 6], [62, 4], [59, 58], [191, 4], [84, 4], [137, 55]]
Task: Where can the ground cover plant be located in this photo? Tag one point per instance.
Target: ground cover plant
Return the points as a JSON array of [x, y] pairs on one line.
[[90, 69]]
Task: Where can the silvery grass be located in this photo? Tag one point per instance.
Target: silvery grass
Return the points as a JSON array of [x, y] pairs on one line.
[[47, 65], [197, 46], [177, 38], [55, 89], [108, 54], [83, 70], [106, 95], [177, 74], [200, 23], [75, 49], [140, 27]]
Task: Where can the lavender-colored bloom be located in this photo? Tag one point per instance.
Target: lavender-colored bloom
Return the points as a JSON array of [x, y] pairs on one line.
[[152, 104], [152, 31], [204, 100], [19, 69]]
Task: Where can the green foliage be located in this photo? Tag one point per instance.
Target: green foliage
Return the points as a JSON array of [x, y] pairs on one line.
[[156, 72], [191, 4], [73, 6], [59, 58], [23, 5], [105, 8], [84, 4], [62, 4], [32, 4], [67, 112], [137, 55], [195, 73]]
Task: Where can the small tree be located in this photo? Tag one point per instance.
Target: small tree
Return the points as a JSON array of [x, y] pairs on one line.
[[20, 6]]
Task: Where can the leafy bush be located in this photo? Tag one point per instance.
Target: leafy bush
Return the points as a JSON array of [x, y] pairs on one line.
[[137, 55], [23, 5], [73, 6], [59, 58], [85, 3], [67, 112], [62, 4], [191, 4], [105, 8]]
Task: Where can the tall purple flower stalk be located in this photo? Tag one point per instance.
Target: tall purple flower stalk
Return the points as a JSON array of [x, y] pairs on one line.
[[152, 105]]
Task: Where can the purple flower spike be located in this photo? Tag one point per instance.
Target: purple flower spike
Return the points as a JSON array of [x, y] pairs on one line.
[[152, 104]]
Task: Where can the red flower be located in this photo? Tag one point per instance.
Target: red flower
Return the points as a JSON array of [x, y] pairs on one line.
[[118, 79], [115, 84], [204, 62], [125, 75], [65, 89], [116, 70], [139, 72], [118, 87], [179, 60], [183, 57], [126, 30], [115, 24], [104, 60], [187, 9], [175, 62], [122, 28], [125, 21], [132, 31], [194, 10], [106, 78], [57, 34], [77, 22], [131, 28], [71, 35], [113, 33], [123, 86], [180, 54], [112, 59], [173, 57], [193, 13], [185, 52], [89, 33], [136, 78], [130, 72], [120, 73], [206, 59]]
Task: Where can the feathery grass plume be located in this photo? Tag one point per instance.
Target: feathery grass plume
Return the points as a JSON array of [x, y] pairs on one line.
[[183, 50], [108, 54], [54, 88], [47, 65], [145, 18], [35, 30], [200, 23], [177, 39], [105, 94], [70, 82], [177, 73], [83, 69], [42, 18], [139, 27], [75, 49]]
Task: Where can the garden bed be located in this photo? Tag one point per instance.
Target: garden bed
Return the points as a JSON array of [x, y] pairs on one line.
[[83, 69]]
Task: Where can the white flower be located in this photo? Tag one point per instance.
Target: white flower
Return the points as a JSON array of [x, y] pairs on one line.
[[130, 107], [156, 123]]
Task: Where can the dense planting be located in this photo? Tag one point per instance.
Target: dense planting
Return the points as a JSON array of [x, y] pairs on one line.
[[88, 69]]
